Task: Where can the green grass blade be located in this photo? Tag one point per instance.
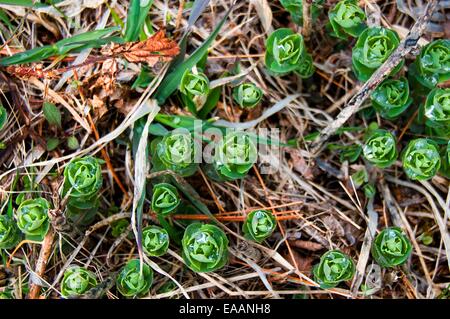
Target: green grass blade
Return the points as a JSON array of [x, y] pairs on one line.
[[89, 39], [171, 81], [137, 13]]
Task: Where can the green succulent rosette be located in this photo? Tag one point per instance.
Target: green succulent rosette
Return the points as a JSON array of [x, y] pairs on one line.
[[334, 267], [421, 159], [380, 149], [247, 95], [295, 9], [32, 218], [77, 281], [432, 66], [306, 68], [194, 87], [372, 49], [437, 112], [391, 247], [82, 181], [259, 225], [285, 51], [155, 240], [165, 199], [347, 19], [234, 156], [175, 152], [205, 247], [194, 84], [391, 98], [10, 234], [131, 282]]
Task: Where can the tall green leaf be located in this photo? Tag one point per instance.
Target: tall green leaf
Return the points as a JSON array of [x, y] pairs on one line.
[[172, 80], [137, 12]]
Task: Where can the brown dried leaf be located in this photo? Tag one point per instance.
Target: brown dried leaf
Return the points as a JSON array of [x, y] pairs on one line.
[[107, 78], [304, 263], [154, 49], [300, 165], [306, 244], [98, 106]]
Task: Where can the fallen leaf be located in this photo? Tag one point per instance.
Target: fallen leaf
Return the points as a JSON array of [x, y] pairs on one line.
[[98, 106], [154, 49], [306, 244]]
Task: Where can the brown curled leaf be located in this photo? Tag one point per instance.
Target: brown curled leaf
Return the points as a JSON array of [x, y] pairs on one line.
[[154, 49], [36, 71]]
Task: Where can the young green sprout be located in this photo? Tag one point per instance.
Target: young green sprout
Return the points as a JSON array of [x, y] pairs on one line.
[[372, 49], [175, 152], [32, 218], [155, 240], [334, 267], [432, 66], [205, 247], [131, 282], [9, 232], [247, 95], [259, 225], [286, 52], [234, 156], [391, 98], [437, 112], [421, 159], [165, 199], [391, 247], [77, 281], [347, 19], [194, 84], [380, 148], [82, 182]]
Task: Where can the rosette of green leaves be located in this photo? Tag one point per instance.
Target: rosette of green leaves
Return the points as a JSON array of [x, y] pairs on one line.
[[176, 152], [82, 181], [132, 282], [432, 66], [247, 95], [421, 159], [165, 199], [32, 218], [437, 111], [334, 267], [391, 98], [306, 68], [380, 148], [234, 156], [194, 84], [9, 232], [205, 247], [77, 281], [285, 51], [372, 49], [391, 247], [347, 19], [155, 240], [259, 225], [295, 9]]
